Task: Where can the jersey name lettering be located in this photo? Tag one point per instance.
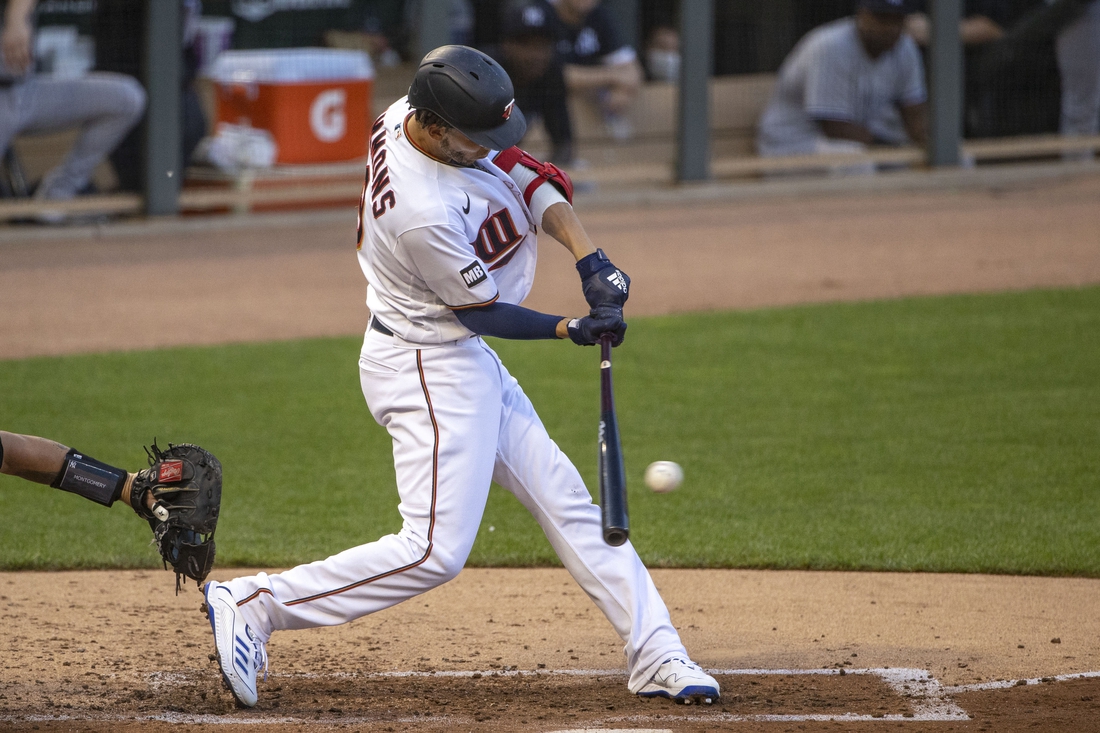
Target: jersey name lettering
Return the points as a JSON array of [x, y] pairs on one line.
[[497, 235], [378, 174]]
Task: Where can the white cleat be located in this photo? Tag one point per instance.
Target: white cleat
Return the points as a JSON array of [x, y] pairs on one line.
[[682, 680], [240, 652]]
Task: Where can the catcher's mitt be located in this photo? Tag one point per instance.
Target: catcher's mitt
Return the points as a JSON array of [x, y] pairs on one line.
[[186, 484]]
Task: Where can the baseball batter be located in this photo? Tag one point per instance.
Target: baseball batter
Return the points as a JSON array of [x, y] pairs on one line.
[[447, 243]]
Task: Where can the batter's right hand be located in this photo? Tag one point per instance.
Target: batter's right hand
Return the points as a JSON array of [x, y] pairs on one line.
[[587, 331], [603, 283]]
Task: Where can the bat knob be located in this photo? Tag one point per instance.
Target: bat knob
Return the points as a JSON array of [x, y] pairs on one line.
[[615, 537]]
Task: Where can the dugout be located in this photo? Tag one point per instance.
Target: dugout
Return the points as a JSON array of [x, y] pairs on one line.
[[745, 42]]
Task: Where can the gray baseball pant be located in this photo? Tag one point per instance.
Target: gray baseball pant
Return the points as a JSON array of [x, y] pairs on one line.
[[1078, 47], [103, 105]]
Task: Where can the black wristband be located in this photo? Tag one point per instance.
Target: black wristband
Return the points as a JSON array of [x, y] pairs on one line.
[[92, 479]]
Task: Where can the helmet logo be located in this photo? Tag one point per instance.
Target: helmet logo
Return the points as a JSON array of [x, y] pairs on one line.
[[508, 109]]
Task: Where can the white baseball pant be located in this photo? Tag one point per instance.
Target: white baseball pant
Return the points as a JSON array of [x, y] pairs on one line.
[[459, 419]]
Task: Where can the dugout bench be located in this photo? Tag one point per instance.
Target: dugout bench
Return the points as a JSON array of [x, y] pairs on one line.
[[736, 103]]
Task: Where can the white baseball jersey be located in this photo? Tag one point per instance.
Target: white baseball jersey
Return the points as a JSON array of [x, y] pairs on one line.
[[436, 236]]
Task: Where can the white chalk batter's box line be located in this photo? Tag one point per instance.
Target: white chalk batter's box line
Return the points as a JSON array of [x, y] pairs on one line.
[[930, 701]]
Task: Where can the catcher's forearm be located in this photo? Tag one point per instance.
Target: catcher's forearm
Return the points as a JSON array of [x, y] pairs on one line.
[[30, 457], [44, 461]]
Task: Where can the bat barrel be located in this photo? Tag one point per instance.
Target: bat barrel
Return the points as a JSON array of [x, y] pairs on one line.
[[613, 509]]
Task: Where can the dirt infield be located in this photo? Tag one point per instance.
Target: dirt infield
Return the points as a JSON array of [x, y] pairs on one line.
[[524, 650], [76, 294]]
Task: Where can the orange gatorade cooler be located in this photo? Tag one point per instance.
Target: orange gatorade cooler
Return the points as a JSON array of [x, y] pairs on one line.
[[315, 102]]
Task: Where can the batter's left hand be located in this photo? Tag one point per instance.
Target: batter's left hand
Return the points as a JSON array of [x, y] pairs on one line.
[[602, 282], [606, 319]]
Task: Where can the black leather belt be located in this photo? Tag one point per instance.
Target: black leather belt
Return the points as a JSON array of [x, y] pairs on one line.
[[376, 325]]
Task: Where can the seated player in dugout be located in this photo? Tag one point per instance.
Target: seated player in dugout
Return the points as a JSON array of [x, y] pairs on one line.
[[447, 243], [527, 52], [596, 62], [102, 106], [1023, 60], [847, 85]]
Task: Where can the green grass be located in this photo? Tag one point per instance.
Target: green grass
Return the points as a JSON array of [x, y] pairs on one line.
[[943, 434]]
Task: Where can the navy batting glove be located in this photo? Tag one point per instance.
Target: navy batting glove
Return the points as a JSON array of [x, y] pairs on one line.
[[587, 331], [603, 283], [607, 311]]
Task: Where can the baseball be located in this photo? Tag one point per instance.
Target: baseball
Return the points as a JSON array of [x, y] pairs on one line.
[[663, 476]]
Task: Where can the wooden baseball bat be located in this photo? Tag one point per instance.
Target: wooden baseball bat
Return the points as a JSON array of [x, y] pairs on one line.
[[616, 523]]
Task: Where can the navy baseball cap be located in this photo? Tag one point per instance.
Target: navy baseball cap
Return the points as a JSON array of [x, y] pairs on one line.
[[901, 7], [522, 19]]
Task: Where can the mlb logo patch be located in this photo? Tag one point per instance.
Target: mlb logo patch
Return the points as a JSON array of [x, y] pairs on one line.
[[170, 472], [473, 274]]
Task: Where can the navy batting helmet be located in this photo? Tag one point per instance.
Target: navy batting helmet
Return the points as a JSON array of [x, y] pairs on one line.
[[472, 93]]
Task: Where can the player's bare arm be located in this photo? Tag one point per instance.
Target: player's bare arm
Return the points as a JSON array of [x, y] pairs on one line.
[[627, 74], [844, 130], [35, 459], [915, 119], [41, 460], [973, 30], [605, 286], [561, 223], [15, 41]]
